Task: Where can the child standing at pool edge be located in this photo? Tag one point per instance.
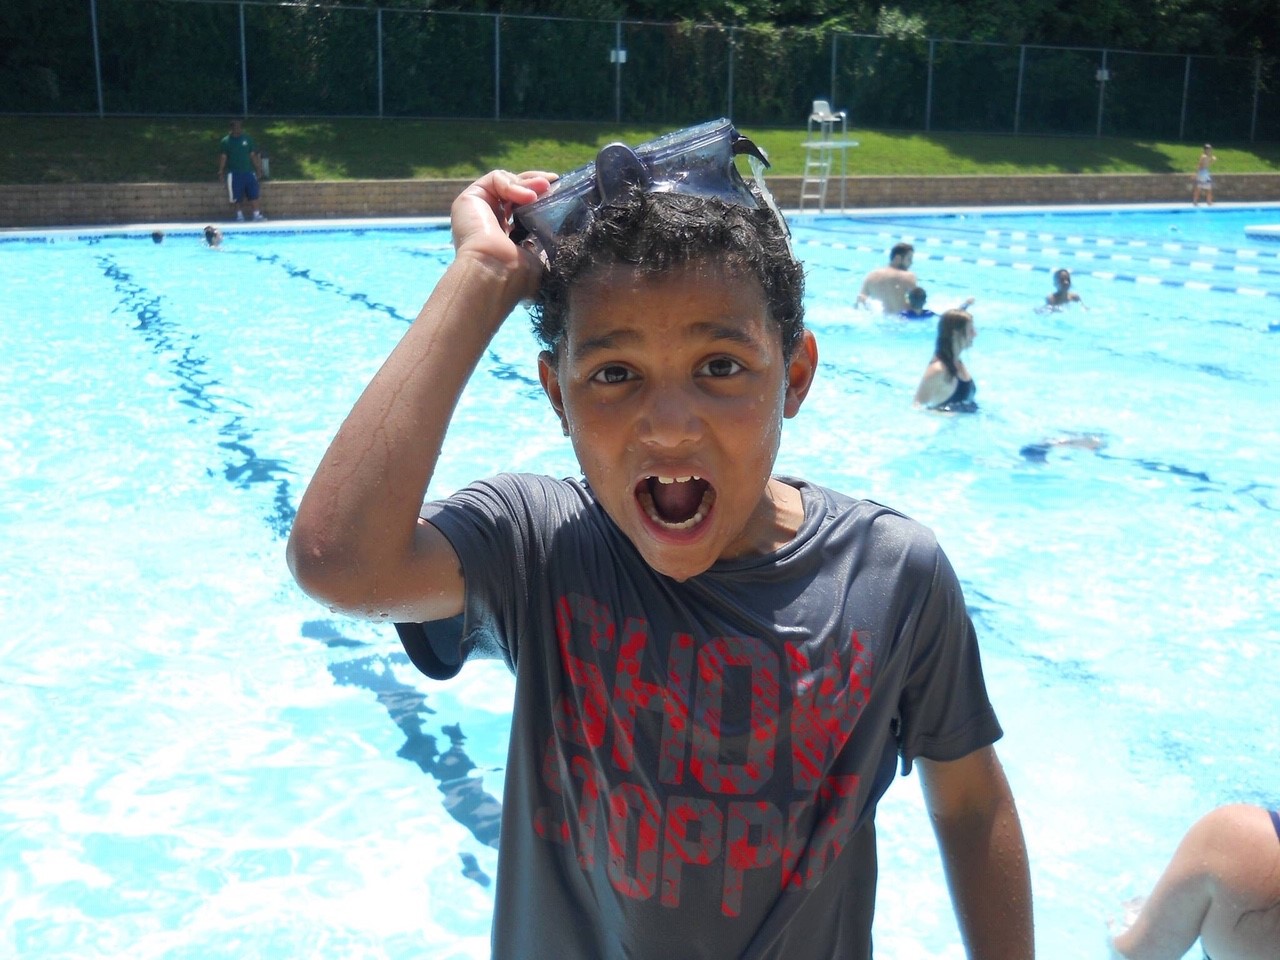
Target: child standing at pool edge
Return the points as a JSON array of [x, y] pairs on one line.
[[1204, 177], [717, 668]]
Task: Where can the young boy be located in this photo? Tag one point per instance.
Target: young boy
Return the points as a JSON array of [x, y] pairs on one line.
[[916, 298], [716, 668]]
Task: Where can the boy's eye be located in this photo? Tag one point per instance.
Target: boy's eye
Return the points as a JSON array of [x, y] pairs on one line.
[[721, 367], [612, 374]]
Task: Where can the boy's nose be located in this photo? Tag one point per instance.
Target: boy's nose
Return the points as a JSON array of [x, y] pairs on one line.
[[669, 417]]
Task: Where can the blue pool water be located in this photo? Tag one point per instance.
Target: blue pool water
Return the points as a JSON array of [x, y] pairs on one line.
[[201, 762]]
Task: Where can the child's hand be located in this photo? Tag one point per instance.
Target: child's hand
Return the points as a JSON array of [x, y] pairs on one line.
[[481, 219]]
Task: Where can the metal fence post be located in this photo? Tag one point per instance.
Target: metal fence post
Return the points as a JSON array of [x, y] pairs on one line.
[[617, 71], [497, 66], [97, 58], [1103, 76], [928, 91], [733, 42], [379, 36], [244, 68], [835, 41], [1257, 87], [1186, 85], [1017, 96]]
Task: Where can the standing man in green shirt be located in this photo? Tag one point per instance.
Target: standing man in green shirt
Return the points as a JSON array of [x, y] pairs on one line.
[[241, 164]]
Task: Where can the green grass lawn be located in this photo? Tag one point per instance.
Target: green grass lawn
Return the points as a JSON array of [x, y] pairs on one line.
[[134, 150]]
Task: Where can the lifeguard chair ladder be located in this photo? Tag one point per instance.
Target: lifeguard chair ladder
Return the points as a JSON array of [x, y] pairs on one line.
[[820, 154]]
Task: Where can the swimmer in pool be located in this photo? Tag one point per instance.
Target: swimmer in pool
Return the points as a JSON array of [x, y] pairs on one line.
[[946, 385], [916, 297], [1222, 886], [1039, 452], [888, 285], [1062, 294]]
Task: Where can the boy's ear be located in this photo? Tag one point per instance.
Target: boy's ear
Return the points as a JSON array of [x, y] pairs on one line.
[[800, 373], [550, 379]]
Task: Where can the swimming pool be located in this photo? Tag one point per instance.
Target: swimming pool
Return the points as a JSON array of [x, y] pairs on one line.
[[201, 762]]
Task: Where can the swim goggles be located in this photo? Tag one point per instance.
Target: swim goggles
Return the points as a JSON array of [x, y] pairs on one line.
[[697, 161]]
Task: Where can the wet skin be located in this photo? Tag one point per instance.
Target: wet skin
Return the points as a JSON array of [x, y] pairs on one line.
[[676, 377]]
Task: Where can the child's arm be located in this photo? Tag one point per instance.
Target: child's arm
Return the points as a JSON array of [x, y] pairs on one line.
[[357, 544], [983, 852]]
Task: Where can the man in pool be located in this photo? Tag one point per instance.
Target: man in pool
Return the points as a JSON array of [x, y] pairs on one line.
[[717, 668], [888, 286]]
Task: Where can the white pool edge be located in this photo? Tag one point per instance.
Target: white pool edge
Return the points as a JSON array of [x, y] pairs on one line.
[[412, 223]]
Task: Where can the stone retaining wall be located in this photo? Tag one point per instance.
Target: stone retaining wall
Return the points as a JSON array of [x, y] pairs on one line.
[[98, 204]]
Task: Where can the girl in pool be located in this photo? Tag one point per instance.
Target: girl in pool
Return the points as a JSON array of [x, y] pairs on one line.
[[946, 385]]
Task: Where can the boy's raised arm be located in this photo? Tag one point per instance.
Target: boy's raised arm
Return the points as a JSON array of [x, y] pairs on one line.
[[983, 853], [357, 544]]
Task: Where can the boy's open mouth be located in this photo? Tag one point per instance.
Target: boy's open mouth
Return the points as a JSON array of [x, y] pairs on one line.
[[677, 503]]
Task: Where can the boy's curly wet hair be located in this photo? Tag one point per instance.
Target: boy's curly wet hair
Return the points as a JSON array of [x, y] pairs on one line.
[[657, 231]]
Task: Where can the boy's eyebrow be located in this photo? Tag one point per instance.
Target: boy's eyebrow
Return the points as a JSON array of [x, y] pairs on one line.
[[705, 330]]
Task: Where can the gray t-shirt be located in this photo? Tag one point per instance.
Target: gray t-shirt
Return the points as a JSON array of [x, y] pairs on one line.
[[694, 767]]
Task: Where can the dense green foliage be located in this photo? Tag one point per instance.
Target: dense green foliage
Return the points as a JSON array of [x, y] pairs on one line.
[[1105, 68], [1222, 27]]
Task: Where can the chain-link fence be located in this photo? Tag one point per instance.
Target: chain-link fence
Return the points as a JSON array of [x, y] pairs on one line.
[[251, 57]]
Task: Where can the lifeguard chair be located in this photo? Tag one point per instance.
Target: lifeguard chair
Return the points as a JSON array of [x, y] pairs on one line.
[[820, 154]]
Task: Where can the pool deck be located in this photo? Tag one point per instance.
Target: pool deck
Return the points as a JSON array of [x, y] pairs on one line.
[[103, 204]]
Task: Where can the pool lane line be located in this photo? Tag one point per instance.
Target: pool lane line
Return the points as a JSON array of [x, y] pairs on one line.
[[1085, 255], [1141, 279], [1083, 240], [1155, 260], [1173, 246], [963, 236], [194, 380]]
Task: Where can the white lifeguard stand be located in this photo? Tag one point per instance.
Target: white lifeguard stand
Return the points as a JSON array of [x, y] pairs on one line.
[[820, 154]]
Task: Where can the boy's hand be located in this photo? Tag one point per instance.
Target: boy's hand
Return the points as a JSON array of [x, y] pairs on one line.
[[481, 221]]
